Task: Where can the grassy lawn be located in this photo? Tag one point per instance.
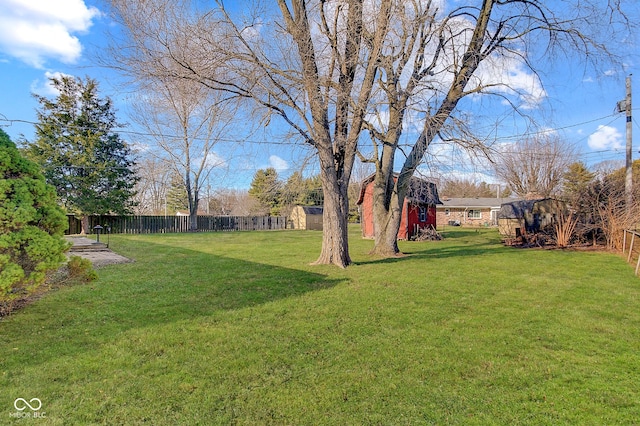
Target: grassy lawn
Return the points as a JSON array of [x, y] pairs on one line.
[[237, 328]]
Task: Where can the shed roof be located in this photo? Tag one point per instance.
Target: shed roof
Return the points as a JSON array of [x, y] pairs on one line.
[[312, 210], [517, 209]]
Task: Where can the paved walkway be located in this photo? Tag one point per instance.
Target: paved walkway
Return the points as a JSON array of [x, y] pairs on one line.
[[98, 254]]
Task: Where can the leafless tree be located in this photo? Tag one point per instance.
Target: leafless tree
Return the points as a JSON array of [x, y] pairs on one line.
[[610, 210], [312, 66], [535, 166], [318, 66], [445, 53], [185, 120], [151, 190], [469, 188], [231, 202]]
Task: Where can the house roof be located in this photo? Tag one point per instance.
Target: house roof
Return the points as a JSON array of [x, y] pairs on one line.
[[474, 203], [420, 190]]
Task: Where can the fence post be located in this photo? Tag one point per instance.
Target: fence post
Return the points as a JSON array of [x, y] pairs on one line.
[[633, 237]]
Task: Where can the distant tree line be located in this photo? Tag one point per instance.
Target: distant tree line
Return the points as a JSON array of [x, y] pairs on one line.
[[276, 197]]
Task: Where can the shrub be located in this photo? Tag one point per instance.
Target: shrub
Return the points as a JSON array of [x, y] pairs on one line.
[[81, 270], [31, 225]]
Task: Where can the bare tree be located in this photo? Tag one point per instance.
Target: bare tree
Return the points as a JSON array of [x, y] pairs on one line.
[[611, 211], [536, 166], [469, 188], [151, 190], [442, 55], [315, 66], [185, 120]]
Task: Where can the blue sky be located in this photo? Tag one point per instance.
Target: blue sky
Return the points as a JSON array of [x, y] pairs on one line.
[[41, 38]]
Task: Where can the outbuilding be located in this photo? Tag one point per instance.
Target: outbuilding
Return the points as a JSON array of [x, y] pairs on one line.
[[528, 216], [306, 217], [418, 209]]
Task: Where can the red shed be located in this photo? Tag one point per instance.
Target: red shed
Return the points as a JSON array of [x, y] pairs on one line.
[[418, 210]]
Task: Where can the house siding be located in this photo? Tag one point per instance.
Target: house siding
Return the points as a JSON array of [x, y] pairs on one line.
[[462, 215], [459, 209]]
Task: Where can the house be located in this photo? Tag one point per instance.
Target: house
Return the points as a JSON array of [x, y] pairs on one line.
[[418, 210], [528, 216], [306, 217], [470, 211]]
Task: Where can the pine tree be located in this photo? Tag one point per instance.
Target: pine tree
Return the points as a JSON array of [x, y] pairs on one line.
[[82, 157], [576, 180], [31, 225], [265, 188], [177, 198]]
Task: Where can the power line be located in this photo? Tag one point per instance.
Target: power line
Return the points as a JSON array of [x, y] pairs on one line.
[[123, 130]]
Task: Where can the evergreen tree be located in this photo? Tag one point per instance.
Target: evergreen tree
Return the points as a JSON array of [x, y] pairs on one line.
[[82, 157], [177, 198], [576, 182], [299, 190], [31, 225], [265, 188]]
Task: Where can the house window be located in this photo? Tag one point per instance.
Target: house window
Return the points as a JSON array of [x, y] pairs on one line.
[[447, 212], [423, 214], [474, 214]]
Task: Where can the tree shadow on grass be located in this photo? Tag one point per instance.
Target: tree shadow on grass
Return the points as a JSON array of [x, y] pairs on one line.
[[443, 249], [165, 285]]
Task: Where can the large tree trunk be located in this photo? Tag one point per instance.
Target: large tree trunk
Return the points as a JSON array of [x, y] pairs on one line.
[[387, 214], [335, 244], [193, 221]]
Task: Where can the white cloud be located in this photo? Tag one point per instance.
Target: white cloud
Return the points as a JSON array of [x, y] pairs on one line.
[[512, 78], [140, 147], [35, 30], [212, 161], [278, 163], [605, 137], [44, 87]]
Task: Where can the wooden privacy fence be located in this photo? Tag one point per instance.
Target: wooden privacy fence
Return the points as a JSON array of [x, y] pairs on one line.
[[170, 224], [631, 247]]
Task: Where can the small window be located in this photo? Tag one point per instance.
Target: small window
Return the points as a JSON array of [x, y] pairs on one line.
[[447, 212], [423, 214], [474, 214]]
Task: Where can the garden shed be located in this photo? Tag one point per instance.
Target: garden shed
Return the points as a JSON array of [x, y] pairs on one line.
[[306, 217], [528, 216], [418, 210]]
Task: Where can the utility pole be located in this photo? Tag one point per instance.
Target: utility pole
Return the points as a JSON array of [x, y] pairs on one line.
[[628, 183]]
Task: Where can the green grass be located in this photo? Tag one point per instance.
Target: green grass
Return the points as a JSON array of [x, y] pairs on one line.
[[237, 328]]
